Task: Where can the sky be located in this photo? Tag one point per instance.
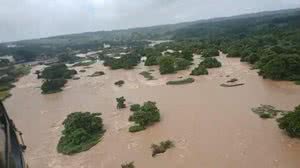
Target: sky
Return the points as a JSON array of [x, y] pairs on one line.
[[27, 19]]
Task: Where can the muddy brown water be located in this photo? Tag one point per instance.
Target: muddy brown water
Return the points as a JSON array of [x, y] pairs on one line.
[[211, 126]]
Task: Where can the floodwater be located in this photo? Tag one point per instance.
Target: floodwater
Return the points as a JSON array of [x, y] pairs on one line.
[[212, 126]]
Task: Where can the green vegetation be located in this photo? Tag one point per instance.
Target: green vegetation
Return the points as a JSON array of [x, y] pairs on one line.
[[53, 85], [297, 82], [162, 147], [181, 82], [8, 75], [125, 62], [211, 63], [128, 165], [181, 64], [57, 71], [121, 102], [266, 111], [119, 83], [150, 61], [166, 65], [187, 54], [200, 70], [210, 52], [82, 130], [145, 116], [290, 122], [135, 107], [55, 78], [147, 75]]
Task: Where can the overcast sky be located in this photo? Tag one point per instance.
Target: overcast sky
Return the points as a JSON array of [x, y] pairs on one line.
[[26, 19]]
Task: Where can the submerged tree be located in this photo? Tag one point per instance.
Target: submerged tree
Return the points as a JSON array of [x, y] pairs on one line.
[[166, 65], [290, 122], [121, 102]]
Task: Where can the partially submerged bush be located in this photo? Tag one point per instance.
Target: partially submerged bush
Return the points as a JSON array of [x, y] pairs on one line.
[[266, 111], [162, 147], [128, 165], [200, 70], [145, 116], [181, 82], [97, 73], [82, 130], [119, 83], [290, 122], [121, 102], [147, 75], [211, 63]]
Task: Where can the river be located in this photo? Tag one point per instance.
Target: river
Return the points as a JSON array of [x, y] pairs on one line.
[[211, 126]]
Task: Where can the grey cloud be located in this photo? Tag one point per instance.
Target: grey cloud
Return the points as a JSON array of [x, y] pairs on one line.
[[23, 19]]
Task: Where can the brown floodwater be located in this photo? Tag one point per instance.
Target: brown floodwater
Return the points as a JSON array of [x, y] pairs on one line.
[[211, 126]]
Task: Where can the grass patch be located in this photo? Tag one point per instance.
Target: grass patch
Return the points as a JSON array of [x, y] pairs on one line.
[[162, 147], [181, 82], [147, 75]]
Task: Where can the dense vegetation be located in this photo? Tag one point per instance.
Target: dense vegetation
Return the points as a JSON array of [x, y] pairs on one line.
[[9, 74], [290, 122], [181, 82], [166, 65], [82, 130], [200, 70], [210, 63], [210, 52], [144, 116], [162, 147], [125, 62], [55, 78]]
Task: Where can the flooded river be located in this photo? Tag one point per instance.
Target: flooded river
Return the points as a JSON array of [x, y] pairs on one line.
[[212, 126]]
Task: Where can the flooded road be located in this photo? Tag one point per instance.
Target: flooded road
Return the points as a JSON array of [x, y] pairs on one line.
[[211, 126]]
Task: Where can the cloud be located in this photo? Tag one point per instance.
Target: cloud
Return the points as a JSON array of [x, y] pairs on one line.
[[24, 19]]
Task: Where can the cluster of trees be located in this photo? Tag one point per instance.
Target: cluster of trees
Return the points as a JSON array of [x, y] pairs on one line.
[[55, 78], [210, 52], [143, 116], [82, 130], [210, 63], [125, 62], [171, 64], [200, 70]]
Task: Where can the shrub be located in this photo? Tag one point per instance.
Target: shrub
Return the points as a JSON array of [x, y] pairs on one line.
[[119, 83], [121, 103], [145, 116], [128, 165], [211, 63], [53, 85], [200, 70], [290, 122], [162, 147], [136, 128], [147, 75], [81, 132], [135, 107], [181, 82], [166, 65]]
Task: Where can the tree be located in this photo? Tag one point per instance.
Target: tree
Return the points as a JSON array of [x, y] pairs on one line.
[[53, 85], [210, 52], [150, 61], [290, 122], [211, 63], [82, 130], [145, 116], [187, 54], [200, 70], [121, 102], [167, 65], [57, 71]]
